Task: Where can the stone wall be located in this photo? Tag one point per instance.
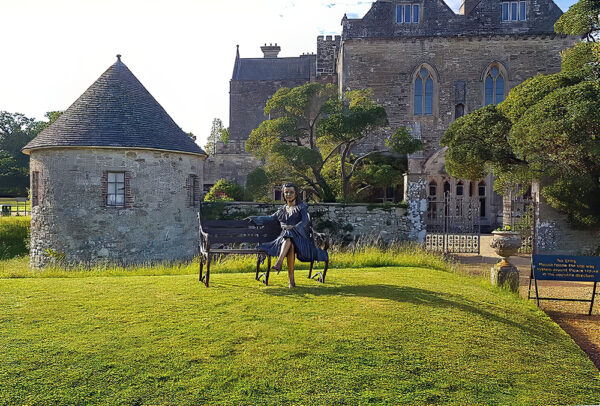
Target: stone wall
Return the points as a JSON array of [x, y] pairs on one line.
[[388, 65], [247, 100], [327, 52], [555, 235], [344, 222], [73, 222], [229, 166]]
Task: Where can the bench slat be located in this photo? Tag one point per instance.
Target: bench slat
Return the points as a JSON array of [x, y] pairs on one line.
[[226, 223], [220, 239], [235, 231], [239, 251]]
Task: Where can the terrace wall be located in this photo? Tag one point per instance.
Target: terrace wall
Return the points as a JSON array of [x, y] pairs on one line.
[[344, 222]]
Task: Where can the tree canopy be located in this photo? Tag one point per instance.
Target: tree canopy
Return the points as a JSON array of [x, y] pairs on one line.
[[313, 135], [218, 133], [16, 130], [547, 128]]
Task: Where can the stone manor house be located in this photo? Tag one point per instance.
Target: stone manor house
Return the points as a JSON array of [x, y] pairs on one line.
[[426, 65], [115, 179]]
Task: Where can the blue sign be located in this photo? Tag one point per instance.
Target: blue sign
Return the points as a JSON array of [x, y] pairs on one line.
[[566, 268]]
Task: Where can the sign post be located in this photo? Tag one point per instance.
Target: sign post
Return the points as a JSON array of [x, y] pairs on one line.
[[565, 268]]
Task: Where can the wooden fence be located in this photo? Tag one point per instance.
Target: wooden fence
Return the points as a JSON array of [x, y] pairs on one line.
[[18, 206]]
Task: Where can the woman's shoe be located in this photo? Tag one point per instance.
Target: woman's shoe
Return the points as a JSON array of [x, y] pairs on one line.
[[275, 268]]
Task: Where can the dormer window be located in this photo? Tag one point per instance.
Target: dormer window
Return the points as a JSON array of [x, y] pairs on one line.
[[407, 13], [514, 11]]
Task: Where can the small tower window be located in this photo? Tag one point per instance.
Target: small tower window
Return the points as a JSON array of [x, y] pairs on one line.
[[115, 195], [35, 188], [116, 189], [193, 190]]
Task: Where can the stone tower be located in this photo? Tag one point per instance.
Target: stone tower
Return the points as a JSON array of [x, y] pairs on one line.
[[114, 180]]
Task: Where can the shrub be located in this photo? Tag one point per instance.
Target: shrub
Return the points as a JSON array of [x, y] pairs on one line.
[[225, 190], [14, 236]]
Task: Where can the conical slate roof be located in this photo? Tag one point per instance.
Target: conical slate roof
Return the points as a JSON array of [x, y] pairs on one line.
[[116, 111]]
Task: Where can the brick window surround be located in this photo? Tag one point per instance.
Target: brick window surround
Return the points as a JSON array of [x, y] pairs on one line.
[[35, 188], [192, 185], [128, 199]]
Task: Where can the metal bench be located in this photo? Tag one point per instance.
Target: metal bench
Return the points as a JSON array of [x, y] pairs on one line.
[[223, 237]]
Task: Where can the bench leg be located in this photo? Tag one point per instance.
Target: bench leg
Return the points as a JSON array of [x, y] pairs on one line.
[[257, 266], [325, 271], [310, 270], [207, 276], [268, 271], [201, 266]]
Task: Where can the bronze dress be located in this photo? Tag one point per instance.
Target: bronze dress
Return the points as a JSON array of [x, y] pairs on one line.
[[301, 233]]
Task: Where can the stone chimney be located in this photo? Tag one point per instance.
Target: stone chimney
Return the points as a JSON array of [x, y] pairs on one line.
[[271, 51], [467, 6]]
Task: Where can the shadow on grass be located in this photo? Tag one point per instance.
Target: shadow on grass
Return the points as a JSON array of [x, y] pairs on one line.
[[422, 297]]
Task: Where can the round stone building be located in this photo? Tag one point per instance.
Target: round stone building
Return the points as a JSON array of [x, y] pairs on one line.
[[114, 180]]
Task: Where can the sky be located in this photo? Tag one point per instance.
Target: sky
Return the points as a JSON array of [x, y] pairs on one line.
[[181, 50]]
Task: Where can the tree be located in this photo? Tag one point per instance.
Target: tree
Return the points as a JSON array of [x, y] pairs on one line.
[[16, 130], [217, 133], [257, 185], [548, 127], [582, 18], [353, 118], [225, 190], [380, 171], [288, 142], [313, 131]]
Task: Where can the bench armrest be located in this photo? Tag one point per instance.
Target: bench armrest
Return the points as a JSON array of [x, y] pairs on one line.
[[204, 241]]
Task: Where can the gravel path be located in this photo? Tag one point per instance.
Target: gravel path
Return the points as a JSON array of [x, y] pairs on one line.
[[571, 316]]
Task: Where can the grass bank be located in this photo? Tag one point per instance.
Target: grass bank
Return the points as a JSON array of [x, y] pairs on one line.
[[376, 335], [14, 236], [404, 255]]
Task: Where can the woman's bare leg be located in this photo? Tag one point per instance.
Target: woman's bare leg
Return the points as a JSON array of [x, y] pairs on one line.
[[291, 260], [285, 247]]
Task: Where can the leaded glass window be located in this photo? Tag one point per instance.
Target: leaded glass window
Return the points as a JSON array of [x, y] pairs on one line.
[[494, 86], [423, 97]]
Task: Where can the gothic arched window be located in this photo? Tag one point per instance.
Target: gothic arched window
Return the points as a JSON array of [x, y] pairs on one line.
[[459, 110], [423, 96], [460, 188], [495, 84], [446, 188]]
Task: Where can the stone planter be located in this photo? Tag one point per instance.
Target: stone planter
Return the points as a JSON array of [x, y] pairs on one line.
[[506, 244]]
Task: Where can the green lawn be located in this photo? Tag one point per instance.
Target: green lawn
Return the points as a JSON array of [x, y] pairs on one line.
[[396, 335]]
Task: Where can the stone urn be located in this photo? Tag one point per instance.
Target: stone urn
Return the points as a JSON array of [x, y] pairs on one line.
[[506, 244]]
